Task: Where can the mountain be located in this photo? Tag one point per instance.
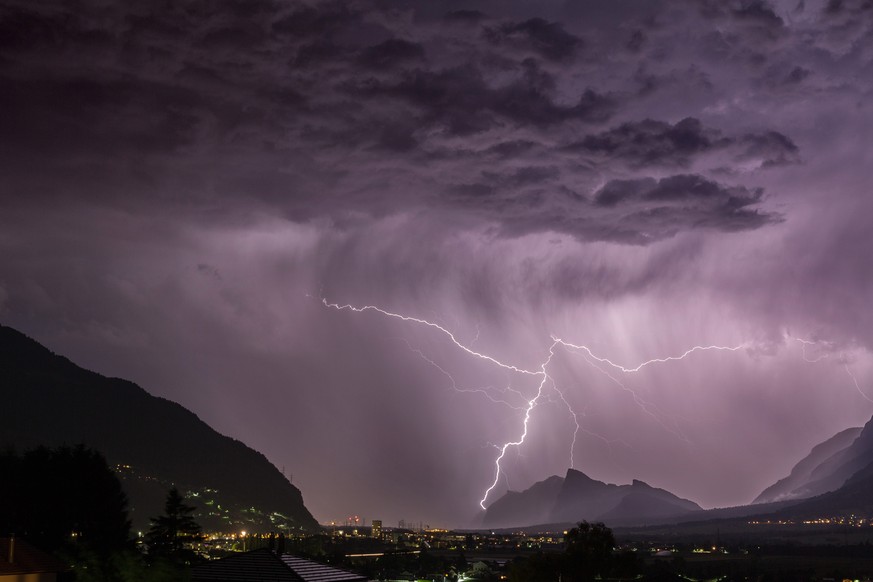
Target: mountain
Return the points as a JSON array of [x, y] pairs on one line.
[[790, 486], [534, 505], [846, 478], [846, 500], [577, 496], [854, 497], [645, 503], [827, 467], [153, 442]]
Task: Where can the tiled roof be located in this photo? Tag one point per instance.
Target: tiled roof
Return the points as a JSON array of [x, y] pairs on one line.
[[254, 566], [27, 559], [265, 566], [310, 571]]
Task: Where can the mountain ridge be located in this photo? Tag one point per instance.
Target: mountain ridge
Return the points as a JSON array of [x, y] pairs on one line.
[[577, 496], [52, 401], [827, 467]]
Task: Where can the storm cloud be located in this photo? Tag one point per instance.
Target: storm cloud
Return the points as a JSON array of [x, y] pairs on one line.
[[180, 187]]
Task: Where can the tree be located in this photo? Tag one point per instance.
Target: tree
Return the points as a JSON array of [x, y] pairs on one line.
[[589, 551], [171, 534], [64, 496]]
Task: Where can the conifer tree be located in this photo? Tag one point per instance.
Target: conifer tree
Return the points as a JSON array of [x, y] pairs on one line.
[[171, 534]]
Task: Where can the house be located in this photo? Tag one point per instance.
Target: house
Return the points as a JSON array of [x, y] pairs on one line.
[[22, 562], [264, 565]]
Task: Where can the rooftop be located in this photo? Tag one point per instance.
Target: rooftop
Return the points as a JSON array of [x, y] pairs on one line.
[[27, 559], [263, 564]]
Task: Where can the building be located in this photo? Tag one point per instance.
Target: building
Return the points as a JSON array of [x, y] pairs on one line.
[[377, 529], [268, 566], [21, 562]]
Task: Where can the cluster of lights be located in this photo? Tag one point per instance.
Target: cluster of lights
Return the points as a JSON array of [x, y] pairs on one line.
[[851, 520]]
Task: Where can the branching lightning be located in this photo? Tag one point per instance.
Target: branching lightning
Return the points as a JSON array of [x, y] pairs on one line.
[[803, 344], [842, 360], [600, 363], [484, 390], [531, 404], [450, 335], [647, 362]]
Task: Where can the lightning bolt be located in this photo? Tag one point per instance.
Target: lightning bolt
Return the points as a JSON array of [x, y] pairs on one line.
[[575, 421], [530, 406], [842, 360], [647, 362], [542, 374], [436, 326], [485, 391], [845, 363], [647, 407], [803, 344]]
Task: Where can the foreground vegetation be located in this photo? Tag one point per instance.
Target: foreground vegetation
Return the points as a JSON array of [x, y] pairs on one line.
[[68, 502]]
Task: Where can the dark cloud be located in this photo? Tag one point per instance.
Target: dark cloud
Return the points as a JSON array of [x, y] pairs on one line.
[[465, 16], [463, 102], [397, 138], [745, 20], [525, 176], [22, 29], [80, 115], [546, 39], [318, 21], [835, 7], [639, 211], [797, 75], [679, 188], [771, 148], [319, 52], [650, 143], [758, 11], [654, 209], [511, 149], [636, 41], [391, 52]]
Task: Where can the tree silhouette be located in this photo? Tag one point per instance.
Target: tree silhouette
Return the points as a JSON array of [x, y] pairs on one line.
[[63, 496], [589, 551], [171, 534]]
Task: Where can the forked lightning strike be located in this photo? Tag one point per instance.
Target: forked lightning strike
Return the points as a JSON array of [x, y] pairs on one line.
[[485, 390], [647, 362], [530, 406], [842, 359], [433, 325], [542, 374]]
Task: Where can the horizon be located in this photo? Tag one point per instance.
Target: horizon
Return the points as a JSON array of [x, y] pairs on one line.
[[419, 256]]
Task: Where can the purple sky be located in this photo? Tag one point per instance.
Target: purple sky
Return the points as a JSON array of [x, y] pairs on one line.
[[180, 186]]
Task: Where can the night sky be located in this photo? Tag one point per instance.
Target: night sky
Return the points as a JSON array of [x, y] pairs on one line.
[[182, 183]]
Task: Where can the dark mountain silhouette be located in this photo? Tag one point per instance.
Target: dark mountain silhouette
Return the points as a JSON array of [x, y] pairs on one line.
[[855, 497], [645, 503], [577, 497], [534, 505], [48, 400], [828, 466], [800, 476]]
